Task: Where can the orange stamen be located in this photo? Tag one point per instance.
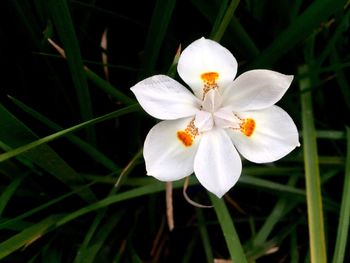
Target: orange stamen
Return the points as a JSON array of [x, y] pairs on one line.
[[247, 127], [185, 138], [210, 77]]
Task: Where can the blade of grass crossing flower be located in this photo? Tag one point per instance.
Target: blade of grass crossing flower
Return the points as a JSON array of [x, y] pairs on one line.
[[27, 236], [14, 134], [302, 27], [62, 20], [83, 145], [312, 174], [344, 217], [59, 134], [8, 192], [228, 229], [204, 235], [226, 20], [161, 17]]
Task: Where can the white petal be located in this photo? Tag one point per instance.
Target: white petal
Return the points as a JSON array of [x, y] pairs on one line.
[[217, 164], [164, 98], [212, 101], [224, 118], [256, 89], [204, 121], [203, 56], [166, 158], [275, 135]]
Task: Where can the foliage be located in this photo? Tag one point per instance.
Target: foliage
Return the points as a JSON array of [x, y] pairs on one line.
[[73, 186]]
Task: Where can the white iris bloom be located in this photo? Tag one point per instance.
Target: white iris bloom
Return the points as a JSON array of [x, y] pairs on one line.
[[203, 131]]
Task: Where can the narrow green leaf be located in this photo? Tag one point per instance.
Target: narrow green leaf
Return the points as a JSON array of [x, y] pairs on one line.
[[59, 134], [228, 229], [312, 173], [108, 88], [344, 217], [340, 29], [158, 28], [86, 147], [204, 235], [225, 21], [302, 26], [90, 252], [27, 236], [14, 134], [12, 223], [101, 213], [9, 191], [283, 205], [341, 78], [63, 23], [219, 16]]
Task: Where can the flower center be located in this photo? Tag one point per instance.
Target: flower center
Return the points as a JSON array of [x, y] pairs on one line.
[[209, 79], [187, 136], [247, 127]]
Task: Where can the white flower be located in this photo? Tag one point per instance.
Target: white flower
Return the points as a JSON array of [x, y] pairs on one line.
[[202, 132]]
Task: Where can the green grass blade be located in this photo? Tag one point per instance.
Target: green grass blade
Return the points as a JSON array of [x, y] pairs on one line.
[[59, 134], [312, 174], [219, 17], [341, 78], [231, 237], [83, 145], [108, 88], [344, 217], [283, 205], [63, 23], [101, 213], [97, 242], [27, 236], [302, 27], [9, 191], [341, 28], [158, 28], [14, 134], [204, 235], [12, 222], [225, 21]]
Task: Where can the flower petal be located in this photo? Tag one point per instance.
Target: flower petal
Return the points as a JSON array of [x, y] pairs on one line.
[[274, 136], [206, 56], [217, 164], [164, 98], [166, 157], [256, 89]]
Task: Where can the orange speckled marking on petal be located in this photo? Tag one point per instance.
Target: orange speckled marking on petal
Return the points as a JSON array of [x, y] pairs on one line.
[[247, 127], [185, 138], [210, 77]]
